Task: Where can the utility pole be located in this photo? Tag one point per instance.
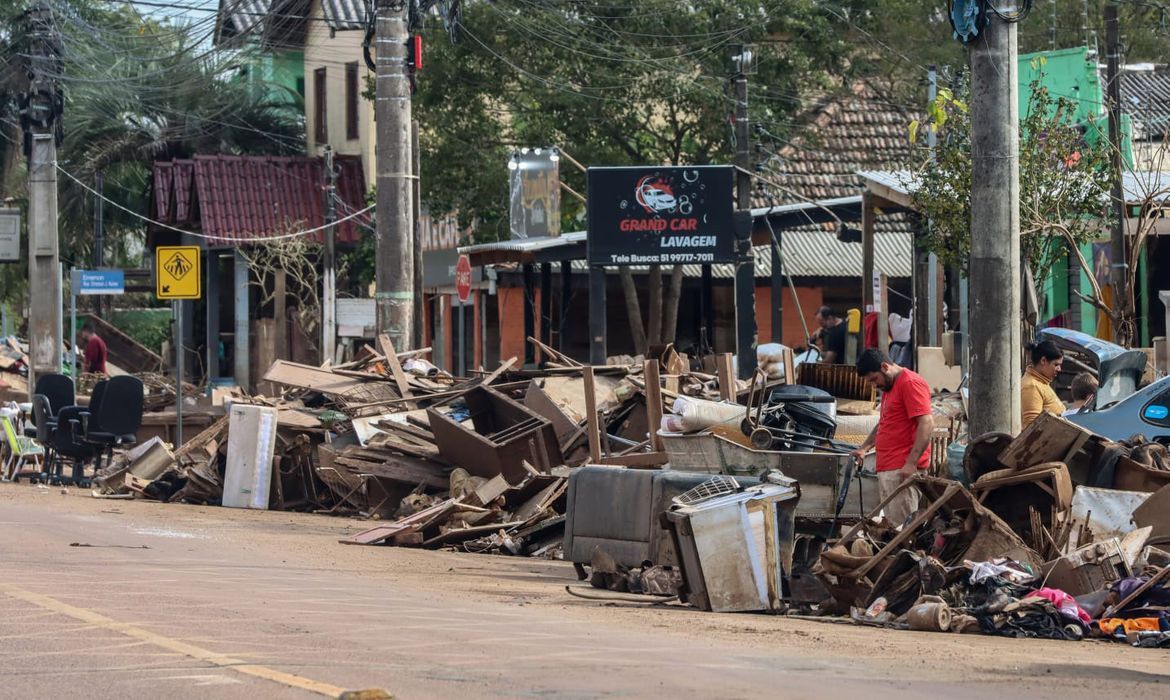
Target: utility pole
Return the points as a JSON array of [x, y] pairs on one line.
[[329, 276], [41, 107], [995, 229], [394, 291], [745, 268], [1119, 251]]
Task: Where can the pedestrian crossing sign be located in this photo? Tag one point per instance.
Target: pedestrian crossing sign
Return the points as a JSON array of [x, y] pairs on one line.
[[176, 272]]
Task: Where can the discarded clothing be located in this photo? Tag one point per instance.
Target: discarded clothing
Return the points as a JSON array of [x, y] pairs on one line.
[[1002, 567], [1109, 626], [1065, 603], [1157, 595]]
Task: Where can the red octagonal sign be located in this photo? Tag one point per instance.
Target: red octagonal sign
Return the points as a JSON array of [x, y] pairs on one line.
[[463, 279]]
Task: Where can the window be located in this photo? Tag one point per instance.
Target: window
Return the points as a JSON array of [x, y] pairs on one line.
[[351, 100], [321, 126]]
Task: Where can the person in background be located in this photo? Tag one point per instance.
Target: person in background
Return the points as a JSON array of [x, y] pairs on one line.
[[94, 349], [831, 335], [902, 436], [1036, 394], [1083, 388]]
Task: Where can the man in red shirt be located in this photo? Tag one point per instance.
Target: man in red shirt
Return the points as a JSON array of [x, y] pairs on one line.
[[94, 350], [902, 435]]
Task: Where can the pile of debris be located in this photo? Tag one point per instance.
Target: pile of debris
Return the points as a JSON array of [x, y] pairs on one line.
[[13, 369], [1063, 535]]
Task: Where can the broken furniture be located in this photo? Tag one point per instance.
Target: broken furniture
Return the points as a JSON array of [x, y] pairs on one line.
[[736, 549], [950, 526], [503, 434], [1033, 501]]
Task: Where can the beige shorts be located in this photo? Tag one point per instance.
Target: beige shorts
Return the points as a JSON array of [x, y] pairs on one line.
[[904, 504]]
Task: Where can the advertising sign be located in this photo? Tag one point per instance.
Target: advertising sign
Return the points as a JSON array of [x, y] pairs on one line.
[[535, 193], [661, 216]]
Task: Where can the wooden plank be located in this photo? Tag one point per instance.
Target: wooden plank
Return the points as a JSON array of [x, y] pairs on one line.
[[726, 373], [909, 530], [653, 403], [308, 377], [1161, 575], [641, 459], [591, 418], [400, 378]]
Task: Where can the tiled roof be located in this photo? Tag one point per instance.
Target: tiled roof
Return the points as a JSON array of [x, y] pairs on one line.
[[861, 130], [234, 198], [1145, 96]]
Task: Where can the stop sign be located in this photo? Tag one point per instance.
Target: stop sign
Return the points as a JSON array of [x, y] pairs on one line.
[[463, 279]]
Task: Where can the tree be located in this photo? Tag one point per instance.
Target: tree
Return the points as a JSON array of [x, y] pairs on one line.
[[1064, 182], [136, 90]]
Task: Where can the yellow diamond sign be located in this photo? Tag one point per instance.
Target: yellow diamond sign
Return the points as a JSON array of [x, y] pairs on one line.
[[176, 272]]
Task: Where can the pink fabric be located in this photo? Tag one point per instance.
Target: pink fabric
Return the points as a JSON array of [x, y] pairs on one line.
[[1065, 603]]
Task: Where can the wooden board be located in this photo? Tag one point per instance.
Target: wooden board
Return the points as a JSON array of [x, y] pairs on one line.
[[312, 378], [400, 378]]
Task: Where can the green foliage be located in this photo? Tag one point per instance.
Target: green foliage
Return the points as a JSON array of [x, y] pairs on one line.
[[1064, 181], [610, 84], [151, 327]]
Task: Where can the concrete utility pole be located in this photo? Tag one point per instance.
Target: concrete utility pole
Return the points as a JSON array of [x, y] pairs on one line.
[[329, 273], [394, 277], [1119, 251], [995, 229], [40, 115], [745, 268]]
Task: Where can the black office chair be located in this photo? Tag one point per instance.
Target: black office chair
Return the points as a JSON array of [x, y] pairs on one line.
[[58, 389], [115, 420], [46, 424], [68, 441]]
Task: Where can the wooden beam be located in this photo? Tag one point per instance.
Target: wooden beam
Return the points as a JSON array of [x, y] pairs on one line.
[[653, 403], [725, 371], [591, 418], [400, 378], [641, 459]]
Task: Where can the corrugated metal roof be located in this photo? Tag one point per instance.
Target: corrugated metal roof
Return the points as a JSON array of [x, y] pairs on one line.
[[240, 17], [1138, 186], [235, 198], [1145, 96], [345, 14]]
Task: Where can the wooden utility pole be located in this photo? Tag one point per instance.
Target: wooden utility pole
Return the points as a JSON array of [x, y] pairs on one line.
[[329, 263], [394, 277], [1119, 251], [40, 117], [995, 229], [745, 268]]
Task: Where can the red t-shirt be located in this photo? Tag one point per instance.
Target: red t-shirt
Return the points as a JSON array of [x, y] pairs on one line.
[[908, 399], [95, 355]]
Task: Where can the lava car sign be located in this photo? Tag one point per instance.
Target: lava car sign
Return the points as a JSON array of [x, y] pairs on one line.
[[661, 216]]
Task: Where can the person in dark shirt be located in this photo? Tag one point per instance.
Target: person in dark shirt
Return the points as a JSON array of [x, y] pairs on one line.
[[94, 350], [831, 335]]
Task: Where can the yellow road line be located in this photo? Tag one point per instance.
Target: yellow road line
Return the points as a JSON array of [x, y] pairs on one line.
[[205, 655]]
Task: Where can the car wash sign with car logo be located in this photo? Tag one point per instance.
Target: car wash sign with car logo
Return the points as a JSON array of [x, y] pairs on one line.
[[661, 216]]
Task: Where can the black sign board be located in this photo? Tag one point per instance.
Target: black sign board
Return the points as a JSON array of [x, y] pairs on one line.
[[661, 215]]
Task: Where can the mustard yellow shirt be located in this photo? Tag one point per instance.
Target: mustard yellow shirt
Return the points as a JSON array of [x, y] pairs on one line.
[[1036, 396]]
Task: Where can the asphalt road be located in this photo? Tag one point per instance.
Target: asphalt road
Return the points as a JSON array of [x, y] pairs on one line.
[[115, 599]]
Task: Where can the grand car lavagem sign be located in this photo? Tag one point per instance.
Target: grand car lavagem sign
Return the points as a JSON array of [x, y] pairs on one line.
[[661, 216]]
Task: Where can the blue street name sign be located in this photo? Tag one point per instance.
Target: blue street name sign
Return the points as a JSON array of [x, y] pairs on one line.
[[88, 282]]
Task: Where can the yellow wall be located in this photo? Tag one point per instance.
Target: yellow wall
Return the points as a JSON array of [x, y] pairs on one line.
[[332, 53]]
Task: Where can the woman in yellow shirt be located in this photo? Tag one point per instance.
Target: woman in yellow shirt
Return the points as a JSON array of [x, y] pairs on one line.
[[1036, 394]]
